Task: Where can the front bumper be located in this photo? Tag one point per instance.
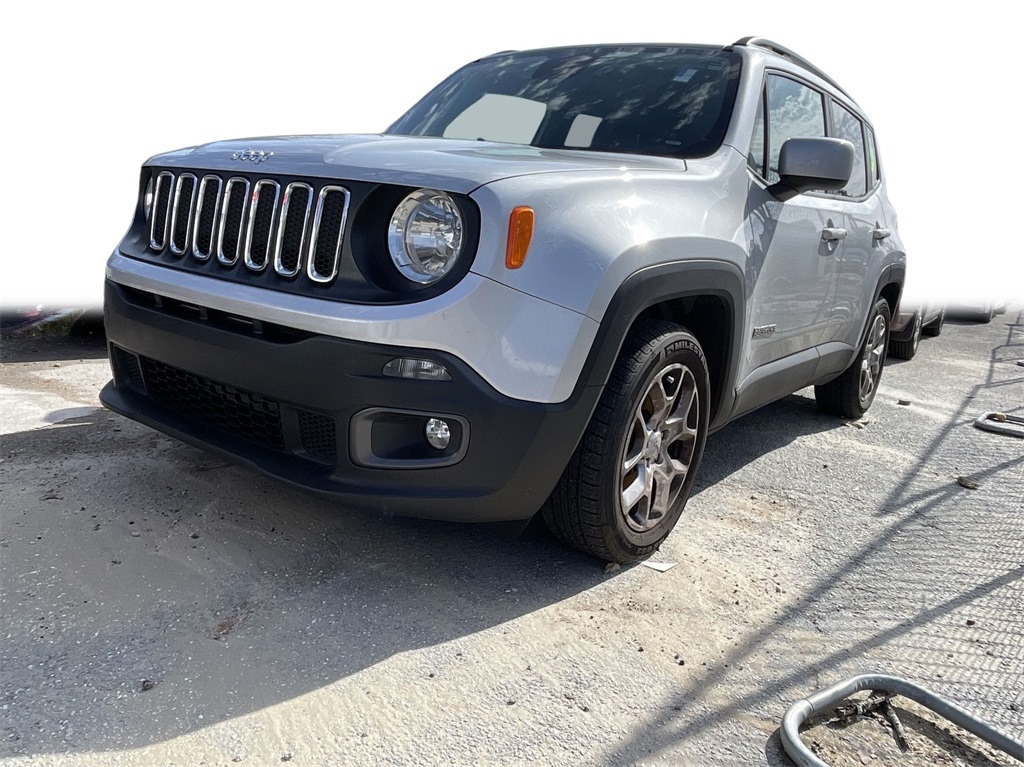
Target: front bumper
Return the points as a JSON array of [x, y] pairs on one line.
[[294, 405]]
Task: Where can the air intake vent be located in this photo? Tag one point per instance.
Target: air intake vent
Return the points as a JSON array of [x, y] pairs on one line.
[[207, 207], [319, 436], [242, 413], [293, 232], [232, 222], [128, 369], [265, 197], [181, 218], [160, 215], [328, 231]]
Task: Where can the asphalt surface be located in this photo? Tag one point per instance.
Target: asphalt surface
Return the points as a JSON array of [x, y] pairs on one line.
[[161, 607]]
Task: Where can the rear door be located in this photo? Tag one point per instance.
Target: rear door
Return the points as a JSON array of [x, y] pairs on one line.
[[867, 231]]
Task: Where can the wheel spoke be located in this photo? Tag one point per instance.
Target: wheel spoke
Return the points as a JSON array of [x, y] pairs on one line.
[[665, 480], [660, 402], [865, 380], [631, 461], [679, 429], [677, 423], [637, 489], [635, 443]]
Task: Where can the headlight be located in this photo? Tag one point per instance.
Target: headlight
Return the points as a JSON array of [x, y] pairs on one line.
[[147, 201], [425, 235]]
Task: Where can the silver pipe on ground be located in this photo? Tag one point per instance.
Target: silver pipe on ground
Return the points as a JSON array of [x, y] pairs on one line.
[[1001, 423], [822, 700]]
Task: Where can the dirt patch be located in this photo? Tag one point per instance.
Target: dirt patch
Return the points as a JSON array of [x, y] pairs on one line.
[[870, 739]]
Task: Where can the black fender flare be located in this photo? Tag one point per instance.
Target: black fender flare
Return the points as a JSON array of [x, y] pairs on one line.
[[656, 284], [895, 272]]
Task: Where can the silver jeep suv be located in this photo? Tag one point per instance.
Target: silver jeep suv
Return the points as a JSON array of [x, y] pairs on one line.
[[540, 289]]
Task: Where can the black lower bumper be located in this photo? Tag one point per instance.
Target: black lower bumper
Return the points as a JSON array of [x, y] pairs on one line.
[[296, 406]]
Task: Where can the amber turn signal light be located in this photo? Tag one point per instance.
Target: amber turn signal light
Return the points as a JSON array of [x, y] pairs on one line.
[[520, 231]]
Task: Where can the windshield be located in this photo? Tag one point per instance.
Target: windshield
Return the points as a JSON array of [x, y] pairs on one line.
[[668, 101]]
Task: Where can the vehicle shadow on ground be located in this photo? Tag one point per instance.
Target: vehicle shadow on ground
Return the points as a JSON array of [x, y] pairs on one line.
[[663, 732], [165, 590], [142, 577], [759, 433]]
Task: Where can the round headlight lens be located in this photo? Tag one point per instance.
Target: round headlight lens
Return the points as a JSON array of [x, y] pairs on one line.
[[425, 235], [147, 200]]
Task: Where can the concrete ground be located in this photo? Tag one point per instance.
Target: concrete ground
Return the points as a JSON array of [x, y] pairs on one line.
[[161, 607]]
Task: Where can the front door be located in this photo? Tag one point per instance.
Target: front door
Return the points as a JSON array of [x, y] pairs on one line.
[[796, 246]]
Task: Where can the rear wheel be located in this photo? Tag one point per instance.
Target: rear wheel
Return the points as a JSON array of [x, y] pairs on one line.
[[628, 481], [851, 394]]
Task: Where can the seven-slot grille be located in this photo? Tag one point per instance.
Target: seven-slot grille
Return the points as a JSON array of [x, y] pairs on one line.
[[291, 229]]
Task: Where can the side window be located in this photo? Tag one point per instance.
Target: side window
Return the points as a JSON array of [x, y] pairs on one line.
[[755, 157], [874, 175], [794, 111], [848, 126]]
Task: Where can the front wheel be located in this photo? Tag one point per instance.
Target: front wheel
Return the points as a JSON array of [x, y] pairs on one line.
[[628, 481], [851, 394]]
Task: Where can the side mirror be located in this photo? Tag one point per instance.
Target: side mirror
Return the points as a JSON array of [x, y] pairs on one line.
[[813, 163]]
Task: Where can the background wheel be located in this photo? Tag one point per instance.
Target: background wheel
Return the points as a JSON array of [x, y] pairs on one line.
[[629, 479], [934, 327], [905, 350], [851, 394]]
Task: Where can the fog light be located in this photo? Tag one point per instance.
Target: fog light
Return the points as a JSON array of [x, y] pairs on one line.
[[421, 370], [438, 433]]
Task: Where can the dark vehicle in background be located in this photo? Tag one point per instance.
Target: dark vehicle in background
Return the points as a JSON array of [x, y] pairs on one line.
[[911, 322]]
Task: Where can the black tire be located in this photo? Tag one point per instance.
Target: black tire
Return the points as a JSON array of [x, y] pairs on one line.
[[633, 446], [934, 328], [851, 394], [907, 350]]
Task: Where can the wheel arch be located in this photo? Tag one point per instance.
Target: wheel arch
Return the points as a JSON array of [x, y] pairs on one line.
[[890, 287], [705, 296]]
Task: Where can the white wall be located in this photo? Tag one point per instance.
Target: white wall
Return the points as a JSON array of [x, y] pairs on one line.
[[91, 90]]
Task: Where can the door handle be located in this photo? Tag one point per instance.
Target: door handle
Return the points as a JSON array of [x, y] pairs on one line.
[[831, 234], [880, 233]]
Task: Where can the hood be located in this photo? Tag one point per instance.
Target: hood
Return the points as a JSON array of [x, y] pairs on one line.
[[447, 164]]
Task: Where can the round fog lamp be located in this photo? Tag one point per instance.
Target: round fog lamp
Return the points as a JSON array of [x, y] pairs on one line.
[[438, 433]]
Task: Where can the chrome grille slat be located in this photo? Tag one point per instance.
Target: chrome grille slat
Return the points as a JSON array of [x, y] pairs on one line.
[[207, 208], [260, 229], [328, 234], [232, 221], [292, 232], [160, 215], [182, 212]]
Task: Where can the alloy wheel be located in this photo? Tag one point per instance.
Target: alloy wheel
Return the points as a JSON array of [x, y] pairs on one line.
[[874, 356], [659, 447]]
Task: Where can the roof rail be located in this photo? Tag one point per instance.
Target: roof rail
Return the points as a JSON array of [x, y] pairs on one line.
[[781, 50]]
